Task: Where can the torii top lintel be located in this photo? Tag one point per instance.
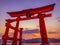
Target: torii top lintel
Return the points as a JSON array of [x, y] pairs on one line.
[[32, 11]]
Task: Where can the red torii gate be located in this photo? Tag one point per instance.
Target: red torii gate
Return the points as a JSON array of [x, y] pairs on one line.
[[29, 13]]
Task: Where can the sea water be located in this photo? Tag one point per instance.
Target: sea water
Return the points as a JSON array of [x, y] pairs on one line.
[[35, 44]]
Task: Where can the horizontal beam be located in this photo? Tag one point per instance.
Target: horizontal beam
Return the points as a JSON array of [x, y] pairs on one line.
[[35, 17], [32, 11], [46, 15], [21, 19]]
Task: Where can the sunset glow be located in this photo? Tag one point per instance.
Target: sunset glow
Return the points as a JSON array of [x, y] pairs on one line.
[[52, 23]]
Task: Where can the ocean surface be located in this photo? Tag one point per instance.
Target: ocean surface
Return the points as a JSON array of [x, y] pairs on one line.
[[36, 44], [39, 44]]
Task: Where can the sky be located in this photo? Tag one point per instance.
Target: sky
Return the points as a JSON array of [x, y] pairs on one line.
[[52, 23]]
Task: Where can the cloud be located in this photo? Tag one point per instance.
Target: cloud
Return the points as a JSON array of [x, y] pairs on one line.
[[57, 17], [52, 32], [58, 20], [37, 31], [1, 36], [31, 31]]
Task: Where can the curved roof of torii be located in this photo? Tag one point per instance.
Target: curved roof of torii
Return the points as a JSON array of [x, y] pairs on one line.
[[32, 11]]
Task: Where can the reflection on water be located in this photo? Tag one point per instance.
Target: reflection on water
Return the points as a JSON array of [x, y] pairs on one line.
[[37, 44]]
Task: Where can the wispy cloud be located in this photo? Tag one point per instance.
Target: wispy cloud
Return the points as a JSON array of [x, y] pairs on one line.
[[1, 36], [58, 20], [31, 31], [57, 17], [52, 32], [37, 31]]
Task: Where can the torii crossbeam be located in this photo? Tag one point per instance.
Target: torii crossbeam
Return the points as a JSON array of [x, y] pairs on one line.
[[29, 13]]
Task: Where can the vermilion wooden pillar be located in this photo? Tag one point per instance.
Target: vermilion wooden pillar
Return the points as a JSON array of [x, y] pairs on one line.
[[20, 39], [5, 36], [43, 30], [15, 38]]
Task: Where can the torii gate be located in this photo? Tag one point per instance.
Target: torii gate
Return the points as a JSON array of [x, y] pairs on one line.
[[29, 13]]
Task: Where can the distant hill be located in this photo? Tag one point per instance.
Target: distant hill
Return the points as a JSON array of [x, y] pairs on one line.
[[54, 40], [37, 40]]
